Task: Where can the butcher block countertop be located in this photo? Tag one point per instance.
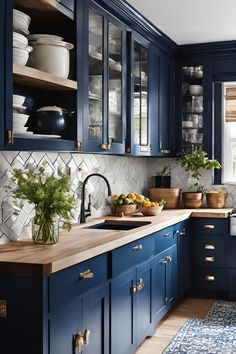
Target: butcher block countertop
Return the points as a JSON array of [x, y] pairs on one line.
[[24, 258]]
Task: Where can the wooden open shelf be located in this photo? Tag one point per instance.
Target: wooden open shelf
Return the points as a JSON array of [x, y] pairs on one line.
[[48, 7], [24, 75]]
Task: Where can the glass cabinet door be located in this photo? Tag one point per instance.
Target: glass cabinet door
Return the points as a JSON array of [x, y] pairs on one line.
[[192, 108], [140, 90], [106, 45]]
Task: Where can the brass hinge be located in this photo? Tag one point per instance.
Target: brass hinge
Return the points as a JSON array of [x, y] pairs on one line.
[[10, 137], [105, 146]]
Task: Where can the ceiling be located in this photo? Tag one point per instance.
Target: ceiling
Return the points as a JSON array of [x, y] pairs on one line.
[[188, 21]]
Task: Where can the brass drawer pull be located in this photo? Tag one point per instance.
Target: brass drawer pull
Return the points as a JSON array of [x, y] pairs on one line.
[[209, 259], [87, 274], [137, 248], [140, 285], [105, 147], [209, 247], [208, 226], [168, 234], [209, 278]]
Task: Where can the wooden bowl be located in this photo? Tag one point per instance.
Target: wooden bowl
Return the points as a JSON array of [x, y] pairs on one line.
[[151, 211], [216, 200], [124, 209]]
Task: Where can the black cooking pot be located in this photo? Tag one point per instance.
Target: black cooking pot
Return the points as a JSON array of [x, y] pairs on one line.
[[49, 120]]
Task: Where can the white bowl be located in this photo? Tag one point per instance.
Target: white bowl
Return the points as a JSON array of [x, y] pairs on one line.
[[35, 36], [21, 55], [21, 30], [18, 100], [52, 56], [187, 124], [21, 16], [20, 117], [195, 89], [19, 109], [19, 40]]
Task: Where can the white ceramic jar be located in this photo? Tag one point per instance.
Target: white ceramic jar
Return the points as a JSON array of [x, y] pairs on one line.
[[52, 56]]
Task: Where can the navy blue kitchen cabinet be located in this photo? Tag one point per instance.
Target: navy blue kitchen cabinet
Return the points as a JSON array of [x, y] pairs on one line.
[[165, 282], [131, 308], [2, 73], [162, 96], [208, 256], [182, 231], [69, 4]]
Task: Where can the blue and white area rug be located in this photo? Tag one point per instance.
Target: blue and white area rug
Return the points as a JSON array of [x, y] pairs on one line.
[[215, 334]]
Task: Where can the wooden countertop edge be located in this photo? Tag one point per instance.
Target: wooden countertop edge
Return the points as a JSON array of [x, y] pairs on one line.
[[11, 263]]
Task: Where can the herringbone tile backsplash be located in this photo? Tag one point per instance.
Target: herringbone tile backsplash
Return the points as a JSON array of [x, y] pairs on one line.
[[125, 175]]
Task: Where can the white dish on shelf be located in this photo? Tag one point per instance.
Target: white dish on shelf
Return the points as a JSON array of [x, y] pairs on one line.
[[187, 124], [40, 136], [92, 96], [36, 36], [21, 16], [19, 130], [18, 100], [19, 40], [116, 66], [21, 30], [95, 55], [19, 109]]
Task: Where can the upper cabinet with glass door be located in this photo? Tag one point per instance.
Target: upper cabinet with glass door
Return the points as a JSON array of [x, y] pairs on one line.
[[105, 81], [138, 141], [192, 107], [41, 85]]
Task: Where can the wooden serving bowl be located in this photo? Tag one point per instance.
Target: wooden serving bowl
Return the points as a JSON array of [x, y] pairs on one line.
[[124, 209], [151, 211]]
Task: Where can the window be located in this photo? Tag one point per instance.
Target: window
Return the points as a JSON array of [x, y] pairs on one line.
[[229, 133]]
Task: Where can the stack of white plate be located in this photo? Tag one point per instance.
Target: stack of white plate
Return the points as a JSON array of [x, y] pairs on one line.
[[19, 116], [21, 50]]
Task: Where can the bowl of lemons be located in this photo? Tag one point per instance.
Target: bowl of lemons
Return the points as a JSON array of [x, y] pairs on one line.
[[149, 208], [126, 204]]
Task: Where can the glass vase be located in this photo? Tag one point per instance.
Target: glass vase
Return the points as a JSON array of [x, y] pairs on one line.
[[45, 230]]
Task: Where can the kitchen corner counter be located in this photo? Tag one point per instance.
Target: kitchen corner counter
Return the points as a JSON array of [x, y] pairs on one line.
[[24, 258]]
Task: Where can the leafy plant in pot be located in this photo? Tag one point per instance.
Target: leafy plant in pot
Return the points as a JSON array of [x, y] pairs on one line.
[[52, 200], [194, 163]]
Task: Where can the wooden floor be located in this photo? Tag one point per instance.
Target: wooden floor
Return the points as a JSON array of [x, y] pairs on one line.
[[169, 326]]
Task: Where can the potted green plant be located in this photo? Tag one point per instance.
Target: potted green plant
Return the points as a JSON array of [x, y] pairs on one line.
[[194, 163], [51, 198]]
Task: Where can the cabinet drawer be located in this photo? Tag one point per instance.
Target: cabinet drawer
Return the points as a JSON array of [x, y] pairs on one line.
[[232, 279], [209, 226], [70, 282], [164, 239], [208, 250], [212, 279], [129, 255]]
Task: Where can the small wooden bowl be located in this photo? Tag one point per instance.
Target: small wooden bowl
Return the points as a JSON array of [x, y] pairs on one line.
[[124, 209], [151, 211]]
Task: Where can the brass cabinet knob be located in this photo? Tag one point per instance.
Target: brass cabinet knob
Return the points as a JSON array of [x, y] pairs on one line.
[[209, 226], [137, 248], [209, 278], [140, 285], [87, 274], [209, 247]]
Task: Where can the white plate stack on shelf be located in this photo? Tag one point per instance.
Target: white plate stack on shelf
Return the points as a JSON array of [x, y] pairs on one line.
[[21, 50], [19, 117]]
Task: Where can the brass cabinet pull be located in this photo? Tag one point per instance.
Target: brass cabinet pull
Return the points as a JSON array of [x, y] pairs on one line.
[[168, 234], [169, 258], [209, 278], [81, 339], [105, 146], [209, 247], [87, 274], [209, 259], [165, 151], [137, 248], [207, 226], [140, 285], [163, 261]]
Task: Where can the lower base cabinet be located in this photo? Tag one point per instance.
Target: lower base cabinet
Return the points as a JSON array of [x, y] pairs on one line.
[[165, 283], [131, 308], [83, 326]]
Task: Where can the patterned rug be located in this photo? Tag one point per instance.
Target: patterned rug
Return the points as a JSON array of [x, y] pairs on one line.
[[215, 334]]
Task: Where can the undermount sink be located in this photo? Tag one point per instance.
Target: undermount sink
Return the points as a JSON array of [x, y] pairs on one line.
[[118, 225]]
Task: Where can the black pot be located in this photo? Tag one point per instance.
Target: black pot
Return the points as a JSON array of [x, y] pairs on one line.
[[161, 181], [48, 122]]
